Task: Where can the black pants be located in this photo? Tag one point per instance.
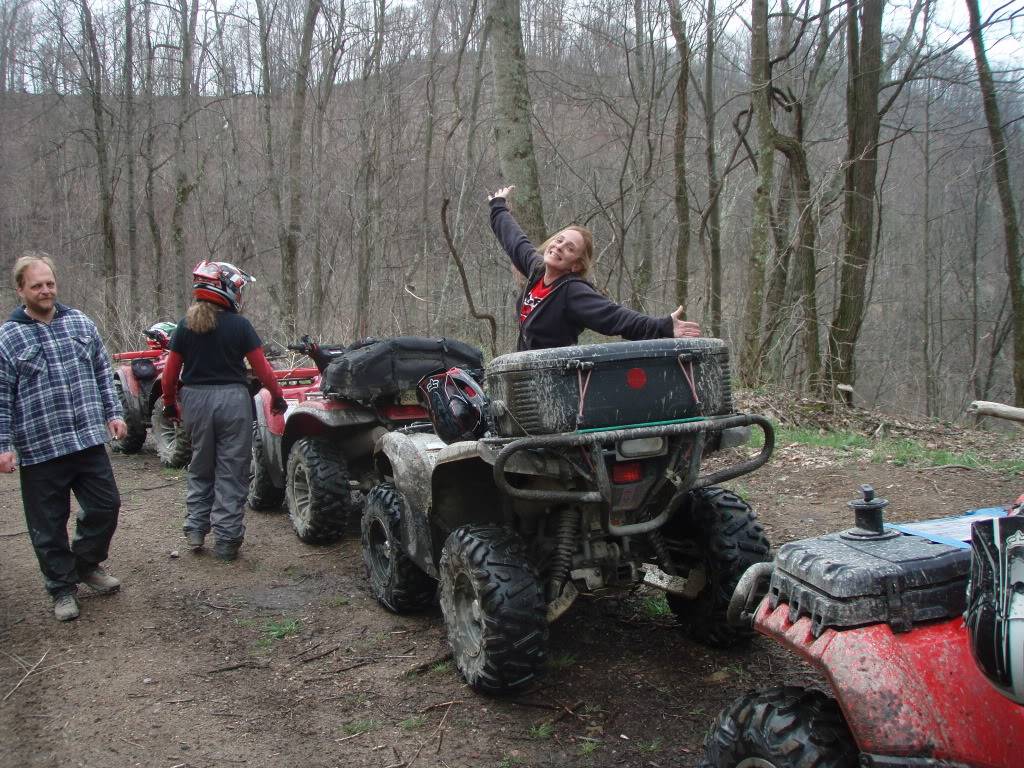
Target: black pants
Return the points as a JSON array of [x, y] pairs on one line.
[[46, 494]]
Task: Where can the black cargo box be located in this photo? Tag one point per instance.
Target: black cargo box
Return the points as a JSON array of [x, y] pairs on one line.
[[376, 368], [844, 581], [550, 391]]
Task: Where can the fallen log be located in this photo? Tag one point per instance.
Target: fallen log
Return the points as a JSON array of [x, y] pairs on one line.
[[999, 410]]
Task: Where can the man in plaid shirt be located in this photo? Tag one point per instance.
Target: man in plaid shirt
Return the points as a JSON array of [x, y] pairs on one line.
[[58, 408]]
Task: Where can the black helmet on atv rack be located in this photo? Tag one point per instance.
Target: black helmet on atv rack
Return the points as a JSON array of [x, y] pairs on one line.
[[995, 603], [456, 405], [220, 283]]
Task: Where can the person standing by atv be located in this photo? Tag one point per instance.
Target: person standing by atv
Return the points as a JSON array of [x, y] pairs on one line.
[[57, 409], [209, 348], [557, 303]]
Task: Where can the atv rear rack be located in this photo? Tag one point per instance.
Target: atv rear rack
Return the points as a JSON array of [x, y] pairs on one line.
[[594, 440]]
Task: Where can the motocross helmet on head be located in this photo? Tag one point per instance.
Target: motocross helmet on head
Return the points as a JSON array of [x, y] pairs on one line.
[[220, 283], [995, 603], [456, 405], [158, 335]]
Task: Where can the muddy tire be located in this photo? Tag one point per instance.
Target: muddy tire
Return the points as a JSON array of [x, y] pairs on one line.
[[263, 496], [133, 441], [781, 728], [725, 538], [172, 442], [316, 491], [396, 581], [493, 609]]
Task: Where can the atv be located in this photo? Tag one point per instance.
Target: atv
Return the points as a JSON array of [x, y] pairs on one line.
[[137, 382], [590, 477], [878, 610], [317, 456]]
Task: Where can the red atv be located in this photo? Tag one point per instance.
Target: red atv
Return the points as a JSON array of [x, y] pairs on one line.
[[317, 456], [137, 381], [878, 610]]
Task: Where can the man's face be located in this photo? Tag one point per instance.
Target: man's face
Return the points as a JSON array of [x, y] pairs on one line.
[[38, 289]]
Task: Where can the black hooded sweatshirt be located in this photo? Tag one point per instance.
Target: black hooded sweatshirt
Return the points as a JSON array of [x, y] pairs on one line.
[[573, 304]]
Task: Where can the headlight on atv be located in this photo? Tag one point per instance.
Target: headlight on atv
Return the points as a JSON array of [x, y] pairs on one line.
[[640, 448]]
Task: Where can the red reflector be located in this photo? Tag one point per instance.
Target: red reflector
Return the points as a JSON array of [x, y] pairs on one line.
[[636, 378], [398, 412], [627, 473]]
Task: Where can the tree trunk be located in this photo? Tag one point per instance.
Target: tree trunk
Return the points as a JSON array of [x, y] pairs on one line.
[[679, 191], [512, 116], [864, 48], [761, 239], [290, 254], [714, 224], [183, 184], [134, 304], [1001, 168], [163, 303], [94, 82]]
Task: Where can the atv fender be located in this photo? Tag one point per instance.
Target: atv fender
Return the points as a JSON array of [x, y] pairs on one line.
[[269, 428], [133, 394], [908, 694], [409, 459]]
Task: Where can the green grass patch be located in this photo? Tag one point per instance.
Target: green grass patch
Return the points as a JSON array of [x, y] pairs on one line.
[[560, 661], [901, 452], [339, 601], [655, 607], [541, 731], [650, 747], [510, 761], [279, 629], [589, 746], [359, 726], [413, 723], [441, 667]]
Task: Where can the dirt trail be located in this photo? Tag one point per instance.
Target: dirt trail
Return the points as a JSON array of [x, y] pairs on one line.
[[284, 658]]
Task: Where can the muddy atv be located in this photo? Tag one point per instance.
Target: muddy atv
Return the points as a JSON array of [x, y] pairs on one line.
[[137, 381], [591, 479], [317, 456], [878, 610]]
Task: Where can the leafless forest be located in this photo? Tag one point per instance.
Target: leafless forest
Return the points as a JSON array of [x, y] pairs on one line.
[[834, 188]]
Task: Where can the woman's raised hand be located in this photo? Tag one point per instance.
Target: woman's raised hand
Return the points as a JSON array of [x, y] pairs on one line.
[[682, 329], [504, 192]]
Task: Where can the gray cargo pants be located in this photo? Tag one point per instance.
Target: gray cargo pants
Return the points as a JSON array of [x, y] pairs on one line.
[[218, 419]]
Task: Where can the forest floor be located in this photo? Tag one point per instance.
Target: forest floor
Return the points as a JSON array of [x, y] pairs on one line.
[[285, 658]]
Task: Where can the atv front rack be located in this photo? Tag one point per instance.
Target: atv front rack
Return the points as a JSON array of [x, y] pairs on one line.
[[602, 494]]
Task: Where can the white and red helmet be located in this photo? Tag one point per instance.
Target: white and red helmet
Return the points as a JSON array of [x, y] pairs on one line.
[[220, 283]]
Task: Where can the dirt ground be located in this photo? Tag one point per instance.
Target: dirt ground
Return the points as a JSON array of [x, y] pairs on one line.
[[284, 657]]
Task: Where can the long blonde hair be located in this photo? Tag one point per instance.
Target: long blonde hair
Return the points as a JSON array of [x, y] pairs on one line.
[[586, 258], [202, 316]]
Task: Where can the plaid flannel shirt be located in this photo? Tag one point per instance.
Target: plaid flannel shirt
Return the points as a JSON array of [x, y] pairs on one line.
[[56, 389]]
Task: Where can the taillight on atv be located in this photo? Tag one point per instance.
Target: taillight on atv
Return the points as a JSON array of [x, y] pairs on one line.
[[636, 378], [627, 472]]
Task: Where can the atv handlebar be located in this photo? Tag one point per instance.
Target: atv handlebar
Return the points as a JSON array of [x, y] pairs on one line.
[[602, 495]]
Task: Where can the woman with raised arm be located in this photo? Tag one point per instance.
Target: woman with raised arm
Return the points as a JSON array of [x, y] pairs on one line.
[[558, 303]]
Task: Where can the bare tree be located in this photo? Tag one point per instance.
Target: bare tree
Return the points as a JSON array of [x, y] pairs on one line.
[[1001, 170], [512, 131], [93, 82]]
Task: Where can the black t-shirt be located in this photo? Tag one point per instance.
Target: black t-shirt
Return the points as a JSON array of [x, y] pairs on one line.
[[217, 357]]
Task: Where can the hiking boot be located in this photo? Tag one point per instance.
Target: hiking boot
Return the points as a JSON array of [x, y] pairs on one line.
[[195, 539], [65, 607], [100, 581], [226, 550]]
